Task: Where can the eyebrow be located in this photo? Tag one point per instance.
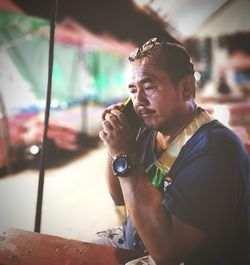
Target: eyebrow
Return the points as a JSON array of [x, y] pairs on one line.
[[142, 81]]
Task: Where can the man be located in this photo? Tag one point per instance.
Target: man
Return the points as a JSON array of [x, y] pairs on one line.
[[182, 176]]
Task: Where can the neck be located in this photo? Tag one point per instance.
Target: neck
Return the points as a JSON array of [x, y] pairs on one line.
[[164, 138]]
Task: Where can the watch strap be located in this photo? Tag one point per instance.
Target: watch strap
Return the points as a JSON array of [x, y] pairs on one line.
[[131, 162]]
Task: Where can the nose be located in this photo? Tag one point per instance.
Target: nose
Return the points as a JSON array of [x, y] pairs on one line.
[[140, 98]]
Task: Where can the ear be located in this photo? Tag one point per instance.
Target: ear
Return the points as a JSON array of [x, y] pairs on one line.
[[186, 87]]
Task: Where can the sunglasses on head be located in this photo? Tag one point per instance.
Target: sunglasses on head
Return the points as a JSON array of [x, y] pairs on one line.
[[149, 45]]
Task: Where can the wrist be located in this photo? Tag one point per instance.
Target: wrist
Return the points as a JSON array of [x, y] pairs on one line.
[[122, 164]]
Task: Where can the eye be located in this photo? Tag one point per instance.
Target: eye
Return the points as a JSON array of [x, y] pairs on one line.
[[149, 89], [132, 90]]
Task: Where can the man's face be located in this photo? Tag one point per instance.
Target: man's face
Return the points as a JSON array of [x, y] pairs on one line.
[[156, 100]]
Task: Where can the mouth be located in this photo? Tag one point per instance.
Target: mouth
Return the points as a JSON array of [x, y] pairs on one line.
[[145, 112]]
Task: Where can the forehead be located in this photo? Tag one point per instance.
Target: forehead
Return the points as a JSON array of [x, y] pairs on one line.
[[146, 69]]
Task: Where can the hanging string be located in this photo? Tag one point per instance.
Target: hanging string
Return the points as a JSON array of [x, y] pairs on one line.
[[46, 121]]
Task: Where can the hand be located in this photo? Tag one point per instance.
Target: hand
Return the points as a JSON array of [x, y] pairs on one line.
[[117, 134], [119, 106]]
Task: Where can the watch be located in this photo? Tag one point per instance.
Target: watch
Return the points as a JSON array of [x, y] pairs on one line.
[[122, 164]]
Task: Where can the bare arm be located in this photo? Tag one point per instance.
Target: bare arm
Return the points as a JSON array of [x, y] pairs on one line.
[[167, 239], [113, 184]]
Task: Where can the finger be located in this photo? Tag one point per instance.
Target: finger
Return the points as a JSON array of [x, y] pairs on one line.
[[105, 113], [106, 126], [120, 116], [102, 135], [119, 106], [112, 119]]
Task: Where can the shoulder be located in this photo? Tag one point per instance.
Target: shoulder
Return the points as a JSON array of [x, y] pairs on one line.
[[214, 140], [215, 137]]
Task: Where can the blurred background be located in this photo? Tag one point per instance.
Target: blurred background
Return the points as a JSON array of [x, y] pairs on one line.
[[92, 42]]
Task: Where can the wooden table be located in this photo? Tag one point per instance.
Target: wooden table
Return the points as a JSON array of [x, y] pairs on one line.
[[19, 247]]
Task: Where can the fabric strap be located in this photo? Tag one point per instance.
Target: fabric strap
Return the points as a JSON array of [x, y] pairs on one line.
[[163, 164]]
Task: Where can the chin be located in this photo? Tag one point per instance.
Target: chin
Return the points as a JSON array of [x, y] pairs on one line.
[[159, 127], [156, 124], [152, 125]]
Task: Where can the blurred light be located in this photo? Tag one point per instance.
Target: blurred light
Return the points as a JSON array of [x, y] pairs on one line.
[[54, 103], [64, 105], [222, 113], [128, 72], [1, 115], [34, 149], [197, 76]]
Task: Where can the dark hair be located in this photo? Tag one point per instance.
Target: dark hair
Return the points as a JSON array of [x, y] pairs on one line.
[[172, 57]]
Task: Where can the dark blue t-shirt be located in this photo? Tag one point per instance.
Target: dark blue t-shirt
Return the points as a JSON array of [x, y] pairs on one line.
[[210, 190]]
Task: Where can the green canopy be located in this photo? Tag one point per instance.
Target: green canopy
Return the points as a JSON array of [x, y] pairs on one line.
[[77, 74]]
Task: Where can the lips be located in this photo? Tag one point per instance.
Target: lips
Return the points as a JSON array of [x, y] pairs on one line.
[[143, 112]]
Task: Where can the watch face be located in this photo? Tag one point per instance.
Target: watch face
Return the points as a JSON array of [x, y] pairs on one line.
[[120, 165]]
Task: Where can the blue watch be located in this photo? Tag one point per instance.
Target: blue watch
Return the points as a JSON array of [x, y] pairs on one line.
[[122, 164]]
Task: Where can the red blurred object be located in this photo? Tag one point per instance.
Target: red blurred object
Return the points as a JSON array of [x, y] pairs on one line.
[[248, 148], [63, 136], [24, 130], [238, 60], [239, 120], [29, 248]]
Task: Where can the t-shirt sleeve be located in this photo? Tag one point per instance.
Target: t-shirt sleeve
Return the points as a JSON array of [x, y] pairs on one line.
[[205, 192]]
